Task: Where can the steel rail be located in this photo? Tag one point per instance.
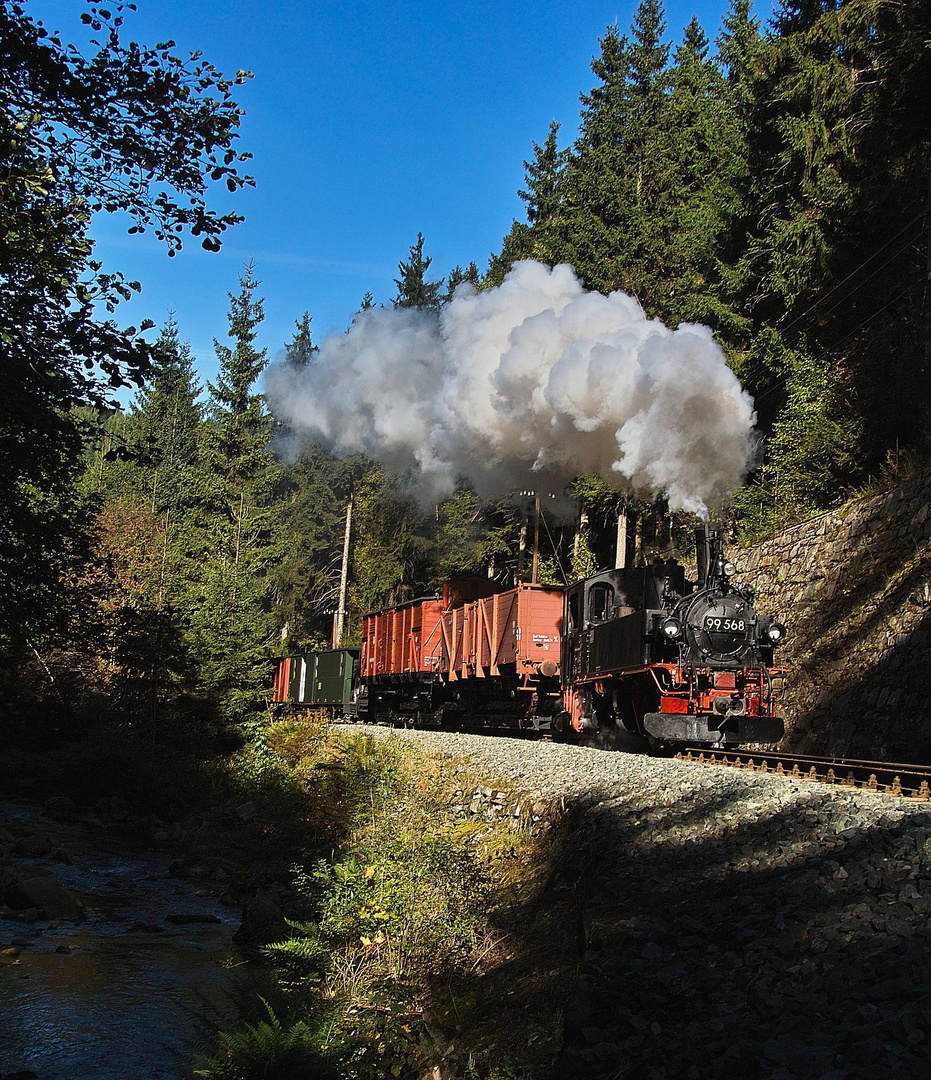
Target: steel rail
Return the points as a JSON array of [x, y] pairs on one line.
[[882, 777]]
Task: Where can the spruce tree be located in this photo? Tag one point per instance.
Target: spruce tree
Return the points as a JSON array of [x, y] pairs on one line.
[[230, 628], [704, 199], [597, 189], [239, 419], [414, 290], [456, 277], [299, 351], [648, 58], [740, 45], [541, 238], [617, 182], [542, 176], [168, 419]]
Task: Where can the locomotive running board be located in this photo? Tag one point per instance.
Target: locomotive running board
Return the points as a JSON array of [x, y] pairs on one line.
[[676, 727]]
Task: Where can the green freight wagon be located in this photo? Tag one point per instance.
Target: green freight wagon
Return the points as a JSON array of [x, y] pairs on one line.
[[324, 680]]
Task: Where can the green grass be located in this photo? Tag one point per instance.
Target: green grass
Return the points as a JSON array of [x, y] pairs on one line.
[[418, 929]]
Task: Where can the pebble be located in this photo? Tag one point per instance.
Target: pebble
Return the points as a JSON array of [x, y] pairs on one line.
[[735, 924]]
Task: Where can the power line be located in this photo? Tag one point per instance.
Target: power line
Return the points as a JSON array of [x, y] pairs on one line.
[[553, 546], [869, 319], [878, 270], [857, 270], [784, 378]]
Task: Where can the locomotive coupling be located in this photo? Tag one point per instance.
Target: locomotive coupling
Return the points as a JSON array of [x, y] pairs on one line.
[[730, 706]]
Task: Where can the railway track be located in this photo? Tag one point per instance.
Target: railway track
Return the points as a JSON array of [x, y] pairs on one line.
[[883, 777]]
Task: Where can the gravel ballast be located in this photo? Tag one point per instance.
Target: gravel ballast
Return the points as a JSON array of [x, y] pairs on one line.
[[732, 924]]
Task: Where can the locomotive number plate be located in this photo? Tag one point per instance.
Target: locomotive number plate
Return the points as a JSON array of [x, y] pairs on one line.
[[718, 624]]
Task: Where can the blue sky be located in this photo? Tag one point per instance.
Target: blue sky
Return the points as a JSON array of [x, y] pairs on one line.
[[368, 122]]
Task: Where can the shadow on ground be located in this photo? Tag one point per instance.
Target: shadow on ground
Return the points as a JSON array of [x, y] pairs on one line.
[[717, 938]]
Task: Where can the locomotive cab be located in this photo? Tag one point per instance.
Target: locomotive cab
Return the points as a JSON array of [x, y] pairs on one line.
[[645, 650]]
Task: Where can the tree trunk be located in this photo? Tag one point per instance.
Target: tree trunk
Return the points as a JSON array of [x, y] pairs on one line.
[[343, 580]]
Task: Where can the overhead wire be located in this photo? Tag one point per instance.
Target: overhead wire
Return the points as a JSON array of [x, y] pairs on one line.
[[784, 378], [879, 269], [553, 546], [892, 239]]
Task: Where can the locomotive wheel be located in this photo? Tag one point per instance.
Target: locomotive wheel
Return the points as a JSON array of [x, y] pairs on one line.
[[657, 748]]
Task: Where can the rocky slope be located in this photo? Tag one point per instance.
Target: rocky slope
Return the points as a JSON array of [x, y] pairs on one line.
[[730, 924]]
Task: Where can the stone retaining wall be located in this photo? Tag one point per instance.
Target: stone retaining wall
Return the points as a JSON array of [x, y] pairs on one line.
[[853, 586]]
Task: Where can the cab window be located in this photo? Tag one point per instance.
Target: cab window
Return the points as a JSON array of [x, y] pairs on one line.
[[600, 600]]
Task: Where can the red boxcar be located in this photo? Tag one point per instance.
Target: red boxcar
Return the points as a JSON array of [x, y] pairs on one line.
[[515, 632], [402, 640]]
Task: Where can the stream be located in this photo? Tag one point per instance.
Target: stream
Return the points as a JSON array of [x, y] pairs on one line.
[[137, 989]]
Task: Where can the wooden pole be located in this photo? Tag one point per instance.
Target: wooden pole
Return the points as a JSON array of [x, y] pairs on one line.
[[536, 539], [343, 579], [620, 551], [522, 548]]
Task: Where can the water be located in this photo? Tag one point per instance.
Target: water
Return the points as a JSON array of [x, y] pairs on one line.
[[129, 996]]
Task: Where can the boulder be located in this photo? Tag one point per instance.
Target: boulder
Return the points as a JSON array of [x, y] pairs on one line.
[[61, 808], [262, 923], [47, 895], [35, 846]]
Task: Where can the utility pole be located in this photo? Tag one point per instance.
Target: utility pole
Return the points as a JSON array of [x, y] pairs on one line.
[[536, 535], [620, 551], [536, 539], [343, 579], [580, 531]]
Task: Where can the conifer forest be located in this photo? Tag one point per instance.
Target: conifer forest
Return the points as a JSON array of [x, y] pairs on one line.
[[773, 184], [165, 537]]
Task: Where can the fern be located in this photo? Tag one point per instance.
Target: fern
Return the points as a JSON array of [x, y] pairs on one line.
[[266, 1050]]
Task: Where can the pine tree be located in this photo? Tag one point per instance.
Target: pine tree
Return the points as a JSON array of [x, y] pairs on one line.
[[312, 499], [705, 196], [456, 277], [541, 238], [168, 420], [230, 628], [239, 421], [740, 49], [299, 351], [368, 301], [617, 181], [542, 176], [740, 45], [414, 290], [648, 58], [597, 195]]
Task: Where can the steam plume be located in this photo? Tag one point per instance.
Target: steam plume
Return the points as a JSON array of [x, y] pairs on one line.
[[536, 374]]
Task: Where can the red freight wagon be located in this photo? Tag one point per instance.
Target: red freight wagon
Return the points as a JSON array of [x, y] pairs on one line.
[[404, 640], [491, 656], [515, 631], [282, 679]]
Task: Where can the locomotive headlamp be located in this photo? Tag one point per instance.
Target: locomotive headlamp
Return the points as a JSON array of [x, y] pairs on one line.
[[775, 633], [671, 629], [730, 569]]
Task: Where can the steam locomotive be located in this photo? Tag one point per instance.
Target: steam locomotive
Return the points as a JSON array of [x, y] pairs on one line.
[[638, 649]]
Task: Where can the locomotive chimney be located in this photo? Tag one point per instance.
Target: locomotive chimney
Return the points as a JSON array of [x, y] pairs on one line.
[[701, 555]]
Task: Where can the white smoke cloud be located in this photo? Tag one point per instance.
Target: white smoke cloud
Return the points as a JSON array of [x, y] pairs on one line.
[[535, 375]]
